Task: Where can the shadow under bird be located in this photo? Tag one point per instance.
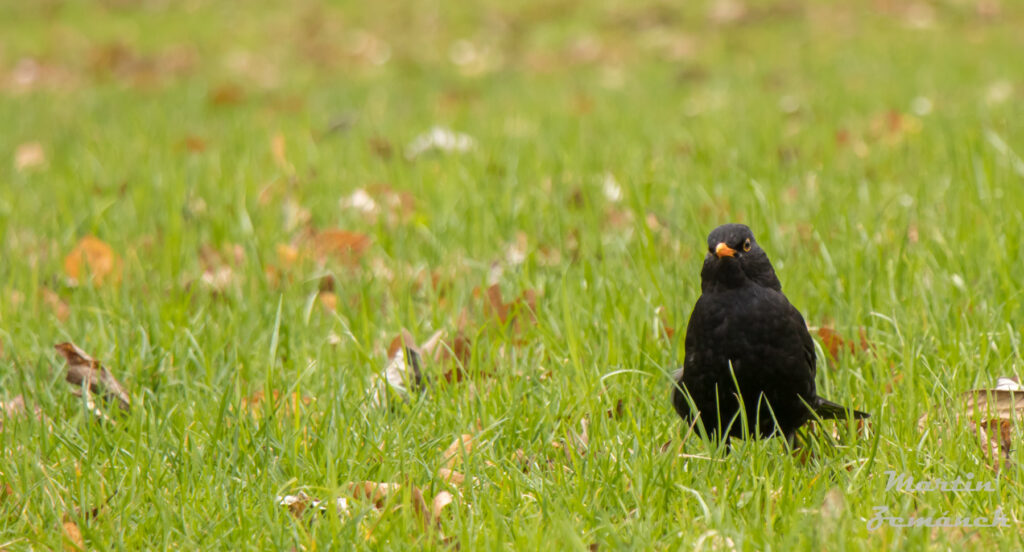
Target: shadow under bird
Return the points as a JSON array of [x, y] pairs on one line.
[[744, 332]]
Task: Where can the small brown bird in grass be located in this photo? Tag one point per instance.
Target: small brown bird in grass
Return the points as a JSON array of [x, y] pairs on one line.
[[745, 336]]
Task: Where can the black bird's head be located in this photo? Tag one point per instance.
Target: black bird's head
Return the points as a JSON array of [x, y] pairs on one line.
[[735, 259]]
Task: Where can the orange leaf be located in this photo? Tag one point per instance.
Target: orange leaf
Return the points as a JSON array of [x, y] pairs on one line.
[[94, 257], [226, 94], [72, 535], [347, 246], [277, 147]]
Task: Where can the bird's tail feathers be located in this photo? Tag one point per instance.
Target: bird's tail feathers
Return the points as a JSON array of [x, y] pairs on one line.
[[828, 410]]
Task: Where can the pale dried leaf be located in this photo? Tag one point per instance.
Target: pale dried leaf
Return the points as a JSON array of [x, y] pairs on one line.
[[441, 500], [455, 453], [451, 476], [29, 155], [277, 148]]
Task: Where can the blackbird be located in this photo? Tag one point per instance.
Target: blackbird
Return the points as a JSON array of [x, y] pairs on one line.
[[744, 333]]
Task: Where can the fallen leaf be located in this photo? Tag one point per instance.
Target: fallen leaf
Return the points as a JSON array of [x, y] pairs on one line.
[[991, 414], [834, 343], [29, 156], [194, 144], [277, 148], [85, 371], [439, 139], [381, 147], [226, 94], [344, 245], [72, 535], [617, 412], [456, 452], [372, 491], [996, 434], [402, 372], [441, 499], [451, 476], [299, 504], [94, 257], [328, 300]]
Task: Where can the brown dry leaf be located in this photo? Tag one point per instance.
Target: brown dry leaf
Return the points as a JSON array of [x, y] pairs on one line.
[[299, 504], [226, 94], [72, 535], [525, 303], [92, 256], [193, 144], [60, 309], [990, 414], [833, 342], [85, 371], [996, 434], [452, 477], [381, 147], [455, 453], [328, 300], [441, 500], [618, 412], [277, 148], [375, 492], [29, 156], [344, 245]]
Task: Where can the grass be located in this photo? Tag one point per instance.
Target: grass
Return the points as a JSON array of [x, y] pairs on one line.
[[871, 146]]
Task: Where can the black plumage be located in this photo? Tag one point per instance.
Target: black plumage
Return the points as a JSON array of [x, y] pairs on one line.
[[744, 331]]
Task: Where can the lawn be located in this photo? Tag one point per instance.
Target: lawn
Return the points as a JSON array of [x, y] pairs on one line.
[[240, 209]]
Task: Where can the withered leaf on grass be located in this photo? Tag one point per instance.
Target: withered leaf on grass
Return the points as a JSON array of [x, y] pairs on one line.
[[343, 245], [93, 257], [85, 371], [226, 94], [991, 414], [525, 303], [29, 155], [299, 503], [834, 343], [72, 535], [403, 371], [383, 493], [456, 452]]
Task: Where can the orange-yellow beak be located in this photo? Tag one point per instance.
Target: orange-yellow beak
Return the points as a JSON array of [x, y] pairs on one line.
[[723, 250]]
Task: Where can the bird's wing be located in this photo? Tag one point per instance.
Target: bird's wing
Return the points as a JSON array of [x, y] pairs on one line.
[[807, 342]]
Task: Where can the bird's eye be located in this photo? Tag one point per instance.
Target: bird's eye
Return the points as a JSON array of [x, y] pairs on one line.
[[746, 244]]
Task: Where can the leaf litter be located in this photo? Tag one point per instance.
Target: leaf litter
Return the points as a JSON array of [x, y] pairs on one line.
[[86, 373], [992, 415]]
